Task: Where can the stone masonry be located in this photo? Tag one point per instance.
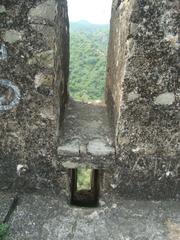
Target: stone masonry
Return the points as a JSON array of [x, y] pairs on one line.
[[143, 96], [41, 135], [28, 130]]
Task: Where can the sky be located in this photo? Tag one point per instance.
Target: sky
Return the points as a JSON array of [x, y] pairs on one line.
[[93, 11]]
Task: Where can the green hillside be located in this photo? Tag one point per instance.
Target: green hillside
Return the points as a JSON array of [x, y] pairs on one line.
[[88, 45]]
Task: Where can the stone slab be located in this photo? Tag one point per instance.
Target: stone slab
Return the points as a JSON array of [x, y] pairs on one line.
[[99, 148], [45, 11], [12, 36], [86, 134]]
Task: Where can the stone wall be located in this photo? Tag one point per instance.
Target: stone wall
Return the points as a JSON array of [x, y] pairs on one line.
[[61, 62], [28, 128], [142, 94]]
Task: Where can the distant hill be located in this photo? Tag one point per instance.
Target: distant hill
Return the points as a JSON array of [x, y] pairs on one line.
[[86, 26], [88, 45]]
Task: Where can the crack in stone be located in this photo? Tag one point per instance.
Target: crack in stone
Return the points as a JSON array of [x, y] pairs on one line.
[[73, 229], [118, 4], [11, 209]]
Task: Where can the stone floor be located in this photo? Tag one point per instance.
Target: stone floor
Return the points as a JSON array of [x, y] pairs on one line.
[[39, 217], [86, 121], [86, 132], [6, 201]]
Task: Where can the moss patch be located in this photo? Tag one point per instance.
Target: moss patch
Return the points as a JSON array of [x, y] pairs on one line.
[[3, 231]]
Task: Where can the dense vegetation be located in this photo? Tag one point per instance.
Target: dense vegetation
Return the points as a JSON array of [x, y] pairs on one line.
[[88, 44], [84, 179]]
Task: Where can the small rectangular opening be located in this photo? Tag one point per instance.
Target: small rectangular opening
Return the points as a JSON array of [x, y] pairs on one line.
[[84, 187]]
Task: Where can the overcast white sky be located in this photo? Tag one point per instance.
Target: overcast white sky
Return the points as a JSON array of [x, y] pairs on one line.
[[94, 11]]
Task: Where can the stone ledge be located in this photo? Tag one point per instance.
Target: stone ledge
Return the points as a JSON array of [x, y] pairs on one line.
[[96, 147]]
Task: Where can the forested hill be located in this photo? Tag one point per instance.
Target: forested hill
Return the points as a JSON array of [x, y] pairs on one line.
[[88, 45]]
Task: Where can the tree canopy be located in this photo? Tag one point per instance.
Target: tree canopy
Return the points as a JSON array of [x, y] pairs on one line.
[[88, 46]]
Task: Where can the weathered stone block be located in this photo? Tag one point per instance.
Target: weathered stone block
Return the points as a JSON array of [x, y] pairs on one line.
[[70, 149], [12, 36], [48, 34], [45, 58], [43, 11], [98, 147], [165, 99]]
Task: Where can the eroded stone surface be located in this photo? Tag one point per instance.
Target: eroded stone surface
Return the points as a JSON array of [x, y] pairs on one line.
[[87, 122], [133, 96], [61, 61], [70, 149], [143, 71], [118, 219], [47, 113], [89, 125], [142, 95], [44, 58], [6, 200], [28, 131], [45, 10], [142, 65], [47, 32], [173, 229], [70, 165], [98, 147]]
